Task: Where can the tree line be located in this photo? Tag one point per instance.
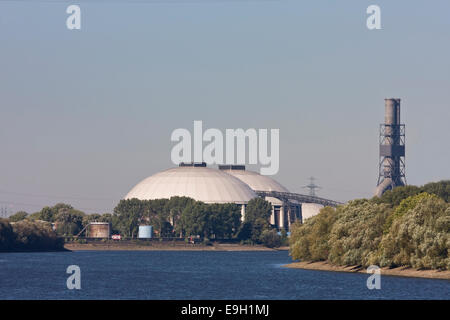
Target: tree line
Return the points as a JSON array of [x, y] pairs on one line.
[[408, 226], [175, 217], [184, 217]]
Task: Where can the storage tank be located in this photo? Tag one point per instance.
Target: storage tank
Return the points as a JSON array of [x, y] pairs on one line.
[[99, 230], [145, 232]]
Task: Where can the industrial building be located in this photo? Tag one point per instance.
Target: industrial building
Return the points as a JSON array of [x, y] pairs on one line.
[[229, 184]]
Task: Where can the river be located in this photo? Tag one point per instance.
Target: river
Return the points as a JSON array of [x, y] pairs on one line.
[[193, 275]]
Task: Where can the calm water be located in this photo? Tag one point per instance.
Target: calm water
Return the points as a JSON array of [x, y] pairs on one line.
[[193, 275]]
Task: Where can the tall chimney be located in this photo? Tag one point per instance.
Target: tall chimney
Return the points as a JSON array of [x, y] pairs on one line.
[[392, 149]]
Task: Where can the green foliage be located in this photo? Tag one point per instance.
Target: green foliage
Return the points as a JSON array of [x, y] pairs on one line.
[[94, 217], [129, 213], [419, 234], [27, 235], [18, 216], [257, 214], [69, 221], [270, 238], [309, 241], [395, 196], [406, 204], [357, 232], [440, 189], [394, 230], [178, 216]]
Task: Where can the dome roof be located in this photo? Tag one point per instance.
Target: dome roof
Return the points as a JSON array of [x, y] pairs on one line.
[[256, 181], [200, 183]]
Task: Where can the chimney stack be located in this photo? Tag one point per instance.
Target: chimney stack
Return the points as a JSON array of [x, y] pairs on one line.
[[392, 149]]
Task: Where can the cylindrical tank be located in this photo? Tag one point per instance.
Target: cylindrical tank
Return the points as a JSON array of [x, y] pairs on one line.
[[145, 232], [99, 230]]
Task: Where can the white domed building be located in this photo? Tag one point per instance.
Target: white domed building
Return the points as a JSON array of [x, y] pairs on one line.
[[229, 184], [195, 181], [283, 213]]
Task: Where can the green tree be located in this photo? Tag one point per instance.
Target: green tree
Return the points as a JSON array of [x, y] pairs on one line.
[[310, 240], [257, 214], [69, 221], [174, 208], [129, 213], [418, 235], [440, 189], [270, 238], [357, 232], [223, 219], [18, 216], [194, 219], [32, 235], [157, 215], [88, 218], [395, 196]]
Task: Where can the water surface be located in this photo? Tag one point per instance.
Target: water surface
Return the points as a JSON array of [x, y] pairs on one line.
[[193, 275]]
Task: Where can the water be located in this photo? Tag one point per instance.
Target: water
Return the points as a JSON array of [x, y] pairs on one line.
[[193, 275]]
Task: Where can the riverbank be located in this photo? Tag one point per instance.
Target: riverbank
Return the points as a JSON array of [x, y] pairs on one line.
[[401, 271], [164, 246]]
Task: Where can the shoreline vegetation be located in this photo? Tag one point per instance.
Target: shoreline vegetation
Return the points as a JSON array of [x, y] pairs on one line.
[[404, 232], [166, 246], [398, 271], [29, 236], [177, 219]]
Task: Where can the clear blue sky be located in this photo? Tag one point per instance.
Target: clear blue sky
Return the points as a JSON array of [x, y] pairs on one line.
[[85, 115]]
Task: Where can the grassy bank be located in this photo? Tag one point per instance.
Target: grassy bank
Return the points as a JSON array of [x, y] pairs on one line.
[[399, 271]]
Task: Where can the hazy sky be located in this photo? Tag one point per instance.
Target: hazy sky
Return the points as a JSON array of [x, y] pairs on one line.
[[85, 115]]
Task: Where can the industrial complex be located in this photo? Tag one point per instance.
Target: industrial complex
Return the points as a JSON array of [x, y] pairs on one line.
[[235, 184], [229, 184]]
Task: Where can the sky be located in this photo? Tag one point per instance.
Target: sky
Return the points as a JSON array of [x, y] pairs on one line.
[[87, 114]]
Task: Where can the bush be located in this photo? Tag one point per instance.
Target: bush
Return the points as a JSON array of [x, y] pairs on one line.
[[414, 233], [270, 239], [32, 235], [419, 234], [18, 216], [357, 232], [309, 241]]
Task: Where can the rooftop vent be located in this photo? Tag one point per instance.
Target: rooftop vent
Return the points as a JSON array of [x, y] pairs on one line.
[[231, 167], [193, 164]]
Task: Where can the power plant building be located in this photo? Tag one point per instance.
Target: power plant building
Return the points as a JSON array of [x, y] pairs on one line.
[[229, 184]]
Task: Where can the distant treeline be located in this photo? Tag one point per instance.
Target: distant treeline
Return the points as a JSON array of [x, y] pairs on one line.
[[28, 235], [184, 217], [174, 217], [408, 226]]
